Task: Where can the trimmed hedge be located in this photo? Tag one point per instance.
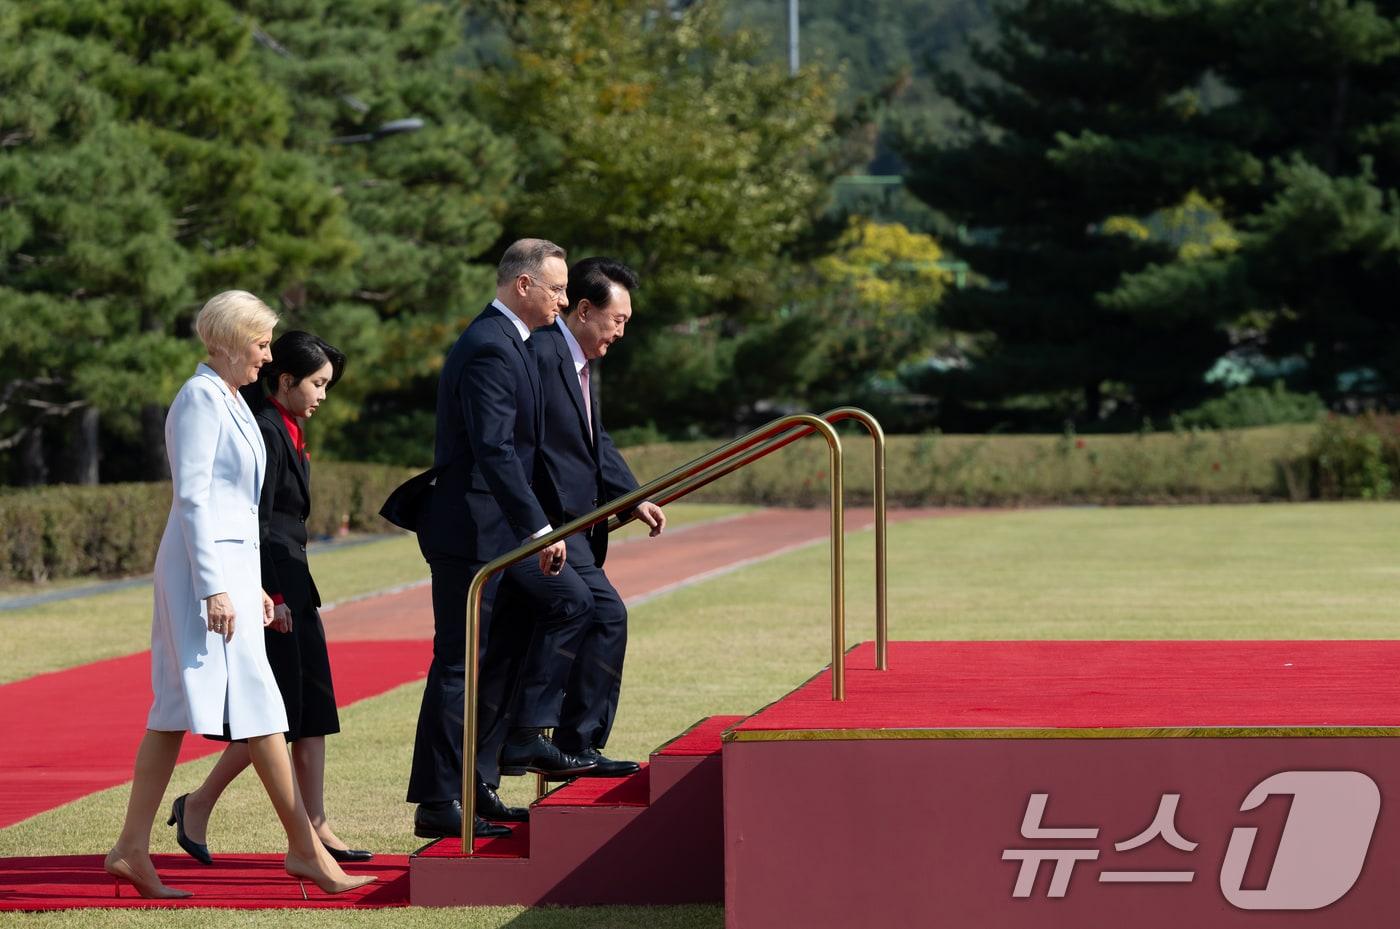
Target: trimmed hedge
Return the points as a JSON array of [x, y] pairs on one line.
[[1268, 463], [56, 532], [115, 529]]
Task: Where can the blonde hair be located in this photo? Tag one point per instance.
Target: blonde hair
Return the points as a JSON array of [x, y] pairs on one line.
[[230, 320]]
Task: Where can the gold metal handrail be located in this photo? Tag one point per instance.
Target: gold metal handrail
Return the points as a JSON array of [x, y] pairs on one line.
[[877, 435], [836, 468]]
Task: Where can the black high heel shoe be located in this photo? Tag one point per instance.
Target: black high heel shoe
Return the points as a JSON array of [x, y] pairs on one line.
[[195, 850], [348, 855]]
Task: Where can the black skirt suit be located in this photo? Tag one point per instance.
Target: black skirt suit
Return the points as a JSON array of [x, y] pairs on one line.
[[298, 658]]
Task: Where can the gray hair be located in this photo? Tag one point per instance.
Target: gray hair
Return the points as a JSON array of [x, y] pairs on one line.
[[526, 256], [232, 319]]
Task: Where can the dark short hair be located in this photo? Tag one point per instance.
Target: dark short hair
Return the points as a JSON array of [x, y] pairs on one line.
[[526, 256], [301, 355], [592, 279]]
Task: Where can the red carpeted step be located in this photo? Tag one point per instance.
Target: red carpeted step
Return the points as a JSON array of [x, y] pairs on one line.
[[633, 790], [655, 837], [515, 845], [703, 738], [652, 837]]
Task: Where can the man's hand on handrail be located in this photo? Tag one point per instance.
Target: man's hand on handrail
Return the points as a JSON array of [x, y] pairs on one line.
[[552, 558], [652, 515]]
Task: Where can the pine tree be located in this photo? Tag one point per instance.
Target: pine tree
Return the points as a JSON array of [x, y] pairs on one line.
[[1313, 108], [1078, 124], [425, 205], [142, 169], [156, 151]]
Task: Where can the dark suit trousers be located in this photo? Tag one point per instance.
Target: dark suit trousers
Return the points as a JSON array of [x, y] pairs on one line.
[[539, 637], [523, 667], [595, 682]]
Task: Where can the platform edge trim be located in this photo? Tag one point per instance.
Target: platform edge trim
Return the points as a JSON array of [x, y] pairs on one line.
[[1138, 732]]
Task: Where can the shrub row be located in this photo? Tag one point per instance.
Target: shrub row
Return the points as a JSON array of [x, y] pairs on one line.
[[1338, 458], [1356, 457], [938, 470], [114, 529], [57, 532]]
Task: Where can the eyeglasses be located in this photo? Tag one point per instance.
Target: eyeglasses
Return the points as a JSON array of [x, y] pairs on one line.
[[555, 290]]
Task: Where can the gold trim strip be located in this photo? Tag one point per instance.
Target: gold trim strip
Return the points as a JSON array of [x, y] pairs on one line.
[[1141, 732]]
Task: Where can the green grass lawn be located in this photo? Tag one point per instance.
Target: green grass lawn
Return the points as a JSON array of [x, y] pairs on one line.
[[72, 632], [735, 643]]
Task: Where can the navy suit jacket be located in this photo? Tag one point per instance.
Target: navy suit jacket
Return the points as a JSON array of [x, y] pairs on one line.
[[580, 474], [489, 422]]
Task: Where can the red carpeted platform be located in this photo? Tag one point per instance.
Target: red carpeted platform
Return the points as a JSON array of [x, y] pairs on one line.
[[234, 882], [1034, 785], [965, 687], [49, 760]]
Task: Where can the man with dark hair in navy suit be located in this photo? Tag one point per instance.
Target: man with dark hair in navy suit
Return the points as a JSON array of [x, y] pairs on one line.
[[484, 501], [584, 469]]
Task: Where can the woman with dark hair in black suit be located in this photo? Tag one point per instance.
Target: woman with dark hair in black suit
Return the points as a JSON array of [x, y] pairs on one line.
[[304, 367]]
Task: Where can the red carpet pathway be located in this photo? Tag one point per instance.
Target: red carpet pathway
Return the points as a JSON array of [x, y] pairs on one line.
[[75, 732], [46, 762], [236, 882]]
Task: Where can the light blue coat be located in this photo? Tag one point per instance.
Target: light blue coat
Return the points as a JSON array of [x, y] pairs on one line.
[[210, 545]]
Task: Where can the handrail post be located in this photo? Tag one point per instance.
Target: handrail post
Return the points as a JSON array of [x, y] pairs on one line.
[[882, 615], [838, 562], [877, 435], [469, 723]]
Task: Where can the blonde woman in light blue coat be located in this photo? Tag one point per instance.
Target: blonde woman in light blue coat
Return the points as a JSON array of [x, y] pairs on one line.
[[209, 670]]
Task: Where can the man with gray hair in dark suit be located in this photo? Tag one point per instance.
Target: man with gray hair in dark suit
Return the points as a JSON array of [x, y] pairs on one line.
[[482, 502]]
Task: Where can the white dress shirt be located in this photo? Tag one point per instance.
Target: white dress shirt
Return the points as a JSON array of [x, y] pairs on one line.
[[520, 327], [574, 348]]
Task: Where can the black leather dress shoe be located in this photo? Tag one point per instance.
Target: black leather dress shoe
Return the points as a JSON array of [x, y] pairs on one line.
[[444, 821], [489, 805], [606, 767], [350, 855], [542, 757]]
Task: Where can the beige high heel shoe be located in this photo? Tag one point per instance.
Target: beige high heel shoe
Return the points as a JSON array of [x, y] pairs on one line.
[[151, 888], [307, 871]]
